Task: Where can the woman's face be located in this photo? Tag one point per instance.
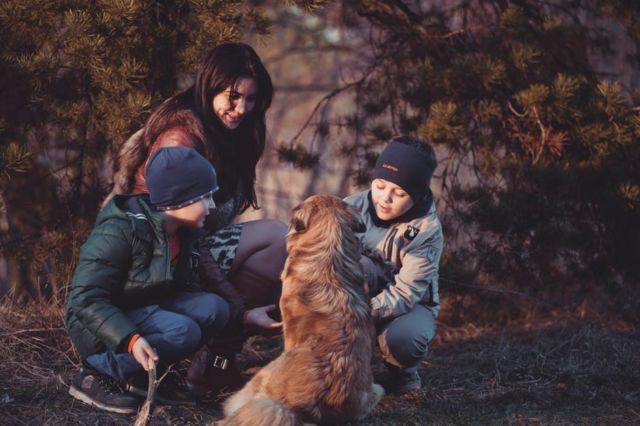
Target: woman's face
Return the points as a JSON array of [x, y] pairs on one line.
[[235, 102]]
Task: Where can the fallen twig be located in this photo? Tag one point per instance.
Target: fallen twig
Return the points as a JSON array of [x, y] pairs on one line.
[[145, 411]]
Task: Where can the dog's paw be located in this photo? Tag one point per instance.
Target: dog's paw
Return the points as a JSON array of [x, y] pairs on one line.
[[369, 400], [377, 390]]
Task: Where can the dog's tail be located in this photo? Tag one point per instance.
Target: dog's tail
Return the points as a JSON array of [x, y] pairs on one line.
[[262, 412]]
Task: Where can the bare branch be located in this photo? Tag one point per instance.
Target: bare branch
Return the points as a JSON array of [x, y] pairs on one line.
[[325, 99], [145, 411]]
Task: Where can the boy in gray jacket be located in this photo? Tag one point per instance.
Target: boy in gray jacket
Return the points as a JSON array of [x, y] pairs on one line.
[[402, 245]]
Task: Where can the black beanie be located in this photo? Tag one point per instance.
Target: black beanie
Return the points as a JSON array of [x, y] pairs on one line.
[[179, 176], [407, 166]]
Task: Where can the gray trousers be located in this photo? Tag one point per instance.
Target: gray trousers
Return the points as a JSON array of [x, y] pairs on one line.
[[175, 329], [403, 340]]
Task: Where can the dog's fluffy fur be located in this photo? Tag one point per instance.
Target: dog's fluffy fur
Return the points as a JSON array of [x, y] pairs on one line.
[[324, 374]]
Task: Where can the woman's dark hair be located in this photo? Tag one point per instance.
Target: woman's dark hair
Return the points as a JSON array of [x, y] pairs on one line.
[[234, 153]]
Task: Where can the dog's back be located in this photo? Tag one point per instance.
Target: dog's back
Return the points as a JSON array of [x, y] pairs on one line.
[[324, 375]]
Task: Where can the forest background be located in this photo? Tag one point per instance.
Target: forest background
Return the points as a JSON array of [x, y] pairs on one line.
[[532, 106]]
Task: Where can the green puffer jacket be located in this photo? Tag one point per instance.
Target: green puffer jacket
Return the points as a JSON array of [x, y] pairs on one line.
[[123, 264]]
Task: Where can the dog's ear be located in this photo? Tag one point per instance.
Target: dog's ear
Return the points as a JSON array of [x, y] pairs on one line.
[[300, 218], [298, 225]]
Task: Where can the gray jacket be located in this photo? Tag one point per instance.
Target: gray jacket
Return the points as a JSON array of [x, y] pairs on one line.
[[411, 249]]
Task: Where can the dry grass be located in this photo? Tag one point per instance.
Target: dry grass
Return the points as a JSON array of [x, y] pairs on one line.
[[547, 370]]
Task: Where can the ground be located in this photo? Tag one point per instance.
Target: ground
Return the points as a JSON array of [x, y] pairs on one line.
[[554, 369]]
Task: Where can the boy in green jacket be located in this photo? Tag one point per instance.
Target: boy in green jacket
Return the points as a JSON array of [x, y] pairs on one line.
[[134, 299]]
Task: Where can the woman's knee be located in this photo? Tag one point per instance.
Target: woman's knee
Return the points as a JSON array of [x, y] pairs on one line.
[[262, 248], [275, 233], [277, 230], [264, 232]]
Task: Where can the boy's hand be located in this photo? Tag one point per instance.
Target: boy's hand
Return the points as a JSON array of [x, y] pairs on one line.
[[259, 317], [144, 353]]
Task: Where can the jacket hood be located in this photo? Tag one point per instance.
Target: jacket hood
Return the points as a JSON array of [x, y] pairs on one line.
[[137, 209]]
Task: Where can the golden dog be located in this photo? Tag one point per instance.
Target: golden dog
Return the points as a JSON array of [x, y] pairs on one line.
[[324, 374]]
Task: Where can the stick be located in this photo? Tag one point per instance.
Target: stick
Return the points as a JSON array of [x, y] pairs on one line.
[[145, 411]]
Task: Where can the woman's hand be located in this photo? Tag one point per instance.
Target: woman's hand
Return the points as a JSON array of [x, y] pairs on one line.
[[259, 317], [144, 353]]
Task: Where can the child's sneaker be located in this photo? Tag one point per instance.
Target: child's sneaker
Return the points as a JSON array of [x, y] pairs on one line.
[[103, 392]]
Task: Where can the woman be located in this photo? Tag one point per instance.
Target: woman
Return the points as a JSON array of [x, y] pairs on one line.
[[222, 116]]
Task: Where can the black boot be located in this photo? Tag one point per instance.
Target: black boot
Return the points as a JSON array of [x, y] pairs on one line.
[[213, 368], [402, 380]]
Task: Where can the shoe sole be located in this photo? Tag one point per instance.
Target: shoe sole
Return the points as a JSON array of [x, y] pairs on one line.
[[158, 398], [79, 395]]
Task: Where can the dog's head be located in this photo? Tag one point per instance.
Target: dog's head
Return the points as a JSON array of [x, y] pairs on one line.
[[325, 212], [322, 247]]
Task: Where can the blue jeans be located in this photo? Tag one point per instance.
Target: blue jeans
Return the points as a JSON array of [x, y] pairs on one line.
[[175, 329]]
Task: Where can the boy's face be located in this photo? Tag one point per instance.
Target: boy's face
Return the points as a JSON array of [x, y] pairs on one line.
[[389, 200], [193, 215]]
